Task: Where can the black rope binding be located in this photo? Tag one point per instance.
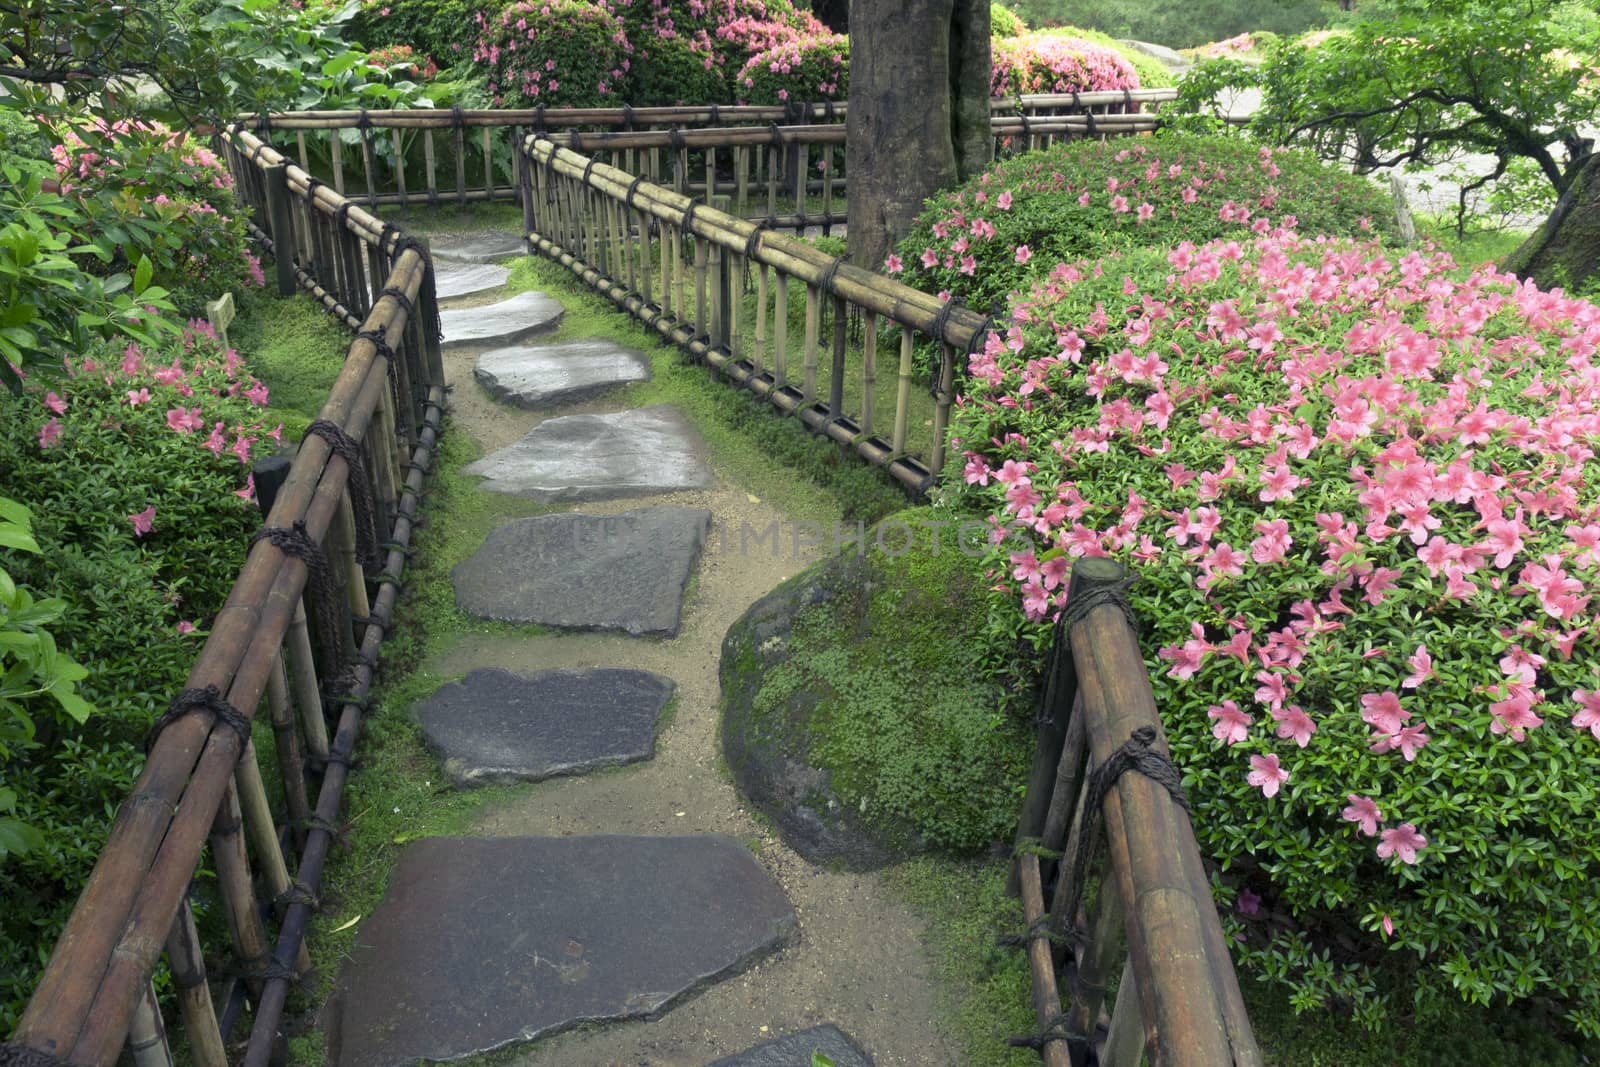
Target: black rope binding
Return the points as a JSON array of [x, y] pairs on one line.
[[627, 117], [1038, 930], [1088, 118], [364, 121], [753, 242], [675, 137], [266, 124], [1127, 100], [538, 120], [459, 120], [264, 968], [777, 134], [1085, 601], [208, 699], [298, 893], [588, 168], [348, 449], [296, 541], [341, 215], [575, 140], [716, 115], [829, 109], [825, 282], [15, 1055], [1056, 1030], [315, 821], [633, 188], [942, 319], [400, 298], [1134, 754]]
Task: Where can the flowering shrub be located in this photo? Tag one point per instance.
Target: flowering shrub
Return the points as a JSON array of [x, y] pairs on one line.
[[134, 465], [1358, 490], [677, 70], [1004, 22], [702, 40], [402, 58], [148, 191], [562, 53], [443, 29], [1153, 74], [1023, 216], [809, 69], [1047, 63]]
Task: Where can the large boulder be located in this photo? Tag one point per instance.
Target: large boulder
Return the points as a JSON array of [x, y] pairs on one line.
[[855, 713]]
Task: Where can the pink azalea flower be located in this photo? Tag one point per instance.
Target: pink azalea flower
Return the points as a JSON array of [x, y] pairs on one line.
[[1023, 254], [1266, 774], [1248, 903], [1003, 201], [1294, 723], [183, 420], [1408, 740], [55, 403], [143, 521], [1403, 841], [138, 396], [1232, 725], [1363, 811], [186, 627], [1383, 712], [50, 433], [249, 491], [1588, 710], [257, 394], [1388, 925], [1421, 668], [1514, 715]]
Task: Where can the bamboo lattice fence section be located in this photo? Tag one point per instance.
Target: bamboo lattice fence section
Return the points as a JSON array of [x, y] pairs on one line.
[[300, 635], [467, 156], [1102, 757]]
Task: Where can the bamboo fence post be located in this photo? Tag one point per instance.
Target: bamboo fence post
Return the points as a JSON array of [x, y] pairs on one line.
[[300, 143], [187, 964], [741, 165], [461, 166], [1125, 1042], [711, 174], [780, 331], [281, 223], [809, 353], [827, 190], [238, 898], [399, 169], [1099, 956], [1064, 790], [1070, 877], [680, 268], [836, 379], [761, 318], [488, 165], [291, 763], [147, 1034], [642, 220], [941, 407], [429, 166], [258, 824], [869, 373], [1055, 707], [902, 402], [336, 151], [772, 182], [669, 258], [701, 253], [367, 165], [1046, 995]]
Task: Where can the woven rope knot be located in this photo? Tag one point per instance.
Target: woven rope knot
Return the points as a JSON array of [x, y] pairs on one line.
[[15, 1055], [1082, 602], [208, 699], [297, 541], [348, 449], [1057, 1029]]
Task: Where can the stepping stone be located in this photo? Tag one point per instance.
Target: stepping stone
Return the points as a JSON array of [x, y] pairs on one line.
[[488, 246], [482, 942], [495, 726], [509, 320], [532, 377], [586, 572], [600, 457], [795, 1050], [455, 279]]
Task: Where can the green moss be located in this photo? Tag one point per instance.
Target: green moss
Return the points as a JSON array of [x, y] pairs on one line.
[[295, 348]]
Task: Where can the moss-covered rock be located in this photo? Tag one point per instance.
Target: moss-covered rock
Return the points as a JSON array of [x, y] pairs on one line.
[[856, 712]]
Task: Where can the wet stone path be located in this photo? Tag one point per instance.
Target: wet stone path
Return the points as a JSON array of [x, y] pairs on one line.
[[625, 907]]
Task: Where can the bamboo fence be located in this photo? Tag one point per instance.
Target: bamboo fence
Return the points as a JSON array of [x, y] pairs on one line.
[[300, 631], [467, 156], [1102, 754]]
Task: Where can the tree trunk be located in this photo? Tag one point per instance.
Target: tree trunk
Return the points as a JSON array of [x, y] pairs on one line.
[[1566, 249], [919, 112]]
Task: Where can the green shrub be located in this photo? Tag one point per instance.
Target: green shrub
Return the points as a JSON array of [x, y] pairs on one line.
[[560, 53], [1359, 493], [677, 71], [1153, 74], [1048, 63], [1003, 22], [443, 30], [808, 69], [134, 467], [1179, 23], [1023, 216]]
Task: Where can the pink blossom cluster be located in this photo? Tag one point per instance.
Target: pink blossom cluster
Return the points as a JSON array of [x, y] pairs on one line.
[[1364, 485], [403, 55], [1050, 63], [811, 67], [533, 47], [181, 394], [1242, 44]]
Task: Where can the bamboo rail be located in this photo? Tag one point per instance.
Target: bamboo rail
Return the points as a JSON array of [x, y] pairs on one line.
[[1178, 1001], [200, 778]]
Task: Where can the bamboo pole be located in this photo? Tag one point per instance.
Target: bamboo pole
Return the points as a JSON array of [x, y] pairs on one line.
[[1070, 877], [869, 373], [902, 402], [430, 167], [336, 154], [1094, 968], [836, 379], [761, 317], [1046, 997], [1125, 1042], [809, 352], [943, 398], [780, 331], [187, 963], [232, 863], [147, 1036], [399, 169]]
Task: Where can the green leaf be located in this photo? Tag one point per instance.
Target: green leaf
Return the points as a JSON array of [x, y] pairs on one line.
[[142, 274], [21, 540]]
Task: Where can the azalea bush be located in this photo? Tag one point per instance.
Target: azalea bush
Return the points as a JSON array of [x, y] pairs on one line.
[[808, 69], [1023, 216], [1153, 73], [141, 191], [135, 466], [560, 53], [1004, 22], [1048, 63], [441, 29], [1360, 495]]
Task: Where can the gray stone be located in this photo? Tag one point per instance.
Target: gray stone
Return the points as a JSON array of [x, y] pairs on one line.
[[1170, 58], [495, 726], [795, 1050], [600, 457], [541, 375], [451, 280], [488, 246], [509, 320], [483, 942], [586, 572]]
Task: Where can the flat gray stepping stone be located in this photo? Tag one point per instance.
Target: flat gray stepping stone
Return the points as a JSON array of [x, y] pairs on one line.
[[541, 375], [462, 279], [488, 246], [495, 726], [600, 457], [481, 942], [795, 1050], [586, 572], [513, 318]]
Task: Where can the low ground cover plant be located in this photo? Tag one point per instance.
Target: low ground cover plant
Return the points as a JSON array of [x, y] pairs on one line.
[[1358, 491], [1024, 216]]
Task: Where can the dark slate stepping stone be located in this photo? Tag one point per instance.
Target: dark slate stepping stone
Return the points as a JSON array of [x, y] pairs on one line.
[[537, 376], [487, 247], [600, 457], [483, 942], [495, 726], [586, 572], [509, 320], [795, 1050], [456, 279]]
